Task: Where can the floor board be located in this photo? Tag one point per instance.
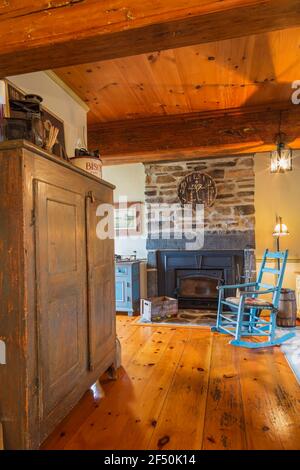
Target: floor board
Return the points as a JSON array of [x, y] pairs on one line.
[[181, 421], [186, 388], [224, 419]]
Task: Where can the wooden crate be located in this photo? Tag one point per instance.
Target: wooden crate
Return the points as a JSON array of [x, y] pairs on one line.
[[158, 308]]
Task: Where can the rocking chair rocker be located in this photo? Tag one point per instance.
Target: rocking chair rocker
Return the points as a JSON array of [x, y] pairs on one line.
[[244, 319]]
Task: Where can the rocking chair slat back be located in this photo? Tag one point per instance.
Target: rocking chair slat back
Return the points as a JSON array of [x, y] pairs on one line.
[[281, 257]]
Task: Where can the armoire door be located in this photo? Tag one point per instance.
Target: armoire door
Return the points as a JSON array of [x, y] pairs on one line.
[[61, 294], [101, 288]]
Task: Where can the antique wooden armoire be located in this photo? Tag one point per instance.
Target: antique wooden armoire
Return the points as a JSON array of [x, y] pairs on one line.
[[57, 299]]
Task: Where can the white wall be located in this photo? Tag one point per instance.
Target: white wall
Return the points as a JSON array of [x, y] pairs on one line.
[[130, 182], [57, 100]]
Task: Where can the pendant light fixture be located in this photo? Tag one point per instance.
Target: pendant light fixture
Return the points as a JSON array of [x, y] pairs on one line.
[[281, 158]]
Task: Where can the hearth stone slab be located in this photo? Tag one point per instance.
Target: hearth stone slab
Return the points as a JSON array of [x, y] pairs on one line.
[[238, 240]]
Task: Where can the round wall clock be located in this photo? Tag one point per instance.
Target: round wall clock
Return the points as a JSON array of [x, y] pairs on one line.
[[197, 188]]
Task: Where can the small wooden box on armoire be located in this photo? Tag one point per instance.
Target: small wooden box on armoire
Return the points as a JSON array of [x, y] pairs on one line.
[[57, 291]]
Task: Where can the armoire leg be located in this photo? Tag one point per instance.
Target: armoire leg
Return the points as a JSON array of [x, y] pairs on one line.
[[118, 358], [112, 372]]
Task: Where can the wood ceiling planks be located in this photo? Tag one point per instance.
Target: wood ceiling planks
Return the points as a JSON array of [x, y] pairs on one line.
[[248, 71], [42, 35]]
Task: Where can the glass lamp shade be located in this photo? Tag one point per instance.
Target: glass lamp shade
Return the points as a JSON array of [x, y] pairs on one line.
[[280, 230], [281, 160]]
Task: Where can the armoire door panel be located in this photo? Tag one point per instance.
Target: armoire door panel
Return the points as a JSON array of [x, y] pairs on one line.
[[102, 325], [61, 299], [62, 237], [62, 311], [101, 299]]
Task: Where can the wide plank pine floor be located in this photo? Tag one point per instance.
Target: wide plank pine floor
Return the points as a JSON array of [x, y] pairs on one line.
[[186, 388]]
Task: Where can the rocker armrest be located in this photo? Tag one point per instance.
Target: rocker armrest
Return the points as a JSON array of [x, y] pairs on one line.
[[235, 286]]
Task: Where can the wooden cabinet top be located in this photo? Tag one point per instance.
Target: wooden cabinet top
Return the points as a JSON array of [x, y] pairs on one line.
[[128, 262], [26, 145]]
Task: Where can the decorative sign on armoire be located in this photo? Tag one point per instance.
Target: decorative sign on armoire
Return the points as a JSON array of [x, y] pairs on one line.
[[197, 188]]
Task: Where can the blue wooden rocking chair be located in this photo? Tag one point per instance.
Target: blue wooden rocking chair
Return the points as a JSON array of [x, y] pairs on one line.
[[243, 319]]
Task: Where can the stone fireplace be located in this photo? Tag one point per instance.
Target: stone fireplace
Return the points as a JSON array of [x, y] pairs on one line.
[[229, 230]]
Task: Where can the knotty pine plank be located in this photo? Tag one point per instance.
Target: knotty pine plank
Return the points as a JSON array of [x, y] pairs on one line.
[[269, 394], [271, 411], [103, 428], [125, 327], [285, 398], [224, 419], [130, 347], [76, 419], [133, 343], [145, 410], [180, 424], [235, 73]]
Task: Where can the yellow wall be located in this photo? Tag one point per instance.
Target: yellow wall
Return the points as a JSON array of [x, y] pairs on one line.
[[278, 194]]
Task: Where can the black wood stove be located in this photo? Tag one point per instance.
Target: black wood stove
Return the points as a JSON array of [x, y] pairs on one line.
[[193, 276]]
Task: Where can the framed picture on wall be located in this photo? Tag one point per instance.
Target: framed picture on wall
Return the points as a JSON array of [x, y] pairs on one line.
[[48, 117], [129, 219]]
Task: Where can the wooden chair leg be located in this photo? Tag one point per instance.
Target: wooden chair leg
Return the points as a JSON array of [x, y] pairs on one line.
[[239, 322], [272, 325], [220, 310], [252, 322], [219, 313]]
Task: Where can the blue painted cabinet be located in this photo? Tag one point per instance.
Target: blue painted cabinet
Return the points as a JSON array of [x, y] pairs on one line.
[[128, 286]]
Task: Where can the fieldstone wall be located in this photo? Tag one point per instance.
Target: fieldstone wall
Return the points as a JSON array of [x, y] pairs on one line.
[[229, 223], [233, 209]]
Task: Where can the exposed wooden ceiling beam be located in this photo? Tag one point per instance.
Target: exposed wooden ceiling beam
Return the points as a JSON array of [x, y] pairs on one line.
[[58, 34], [195, 135]]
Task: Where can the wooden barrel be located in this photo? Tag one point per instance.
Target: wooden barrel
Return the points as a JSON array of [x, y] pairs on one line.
[[287, 309]]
